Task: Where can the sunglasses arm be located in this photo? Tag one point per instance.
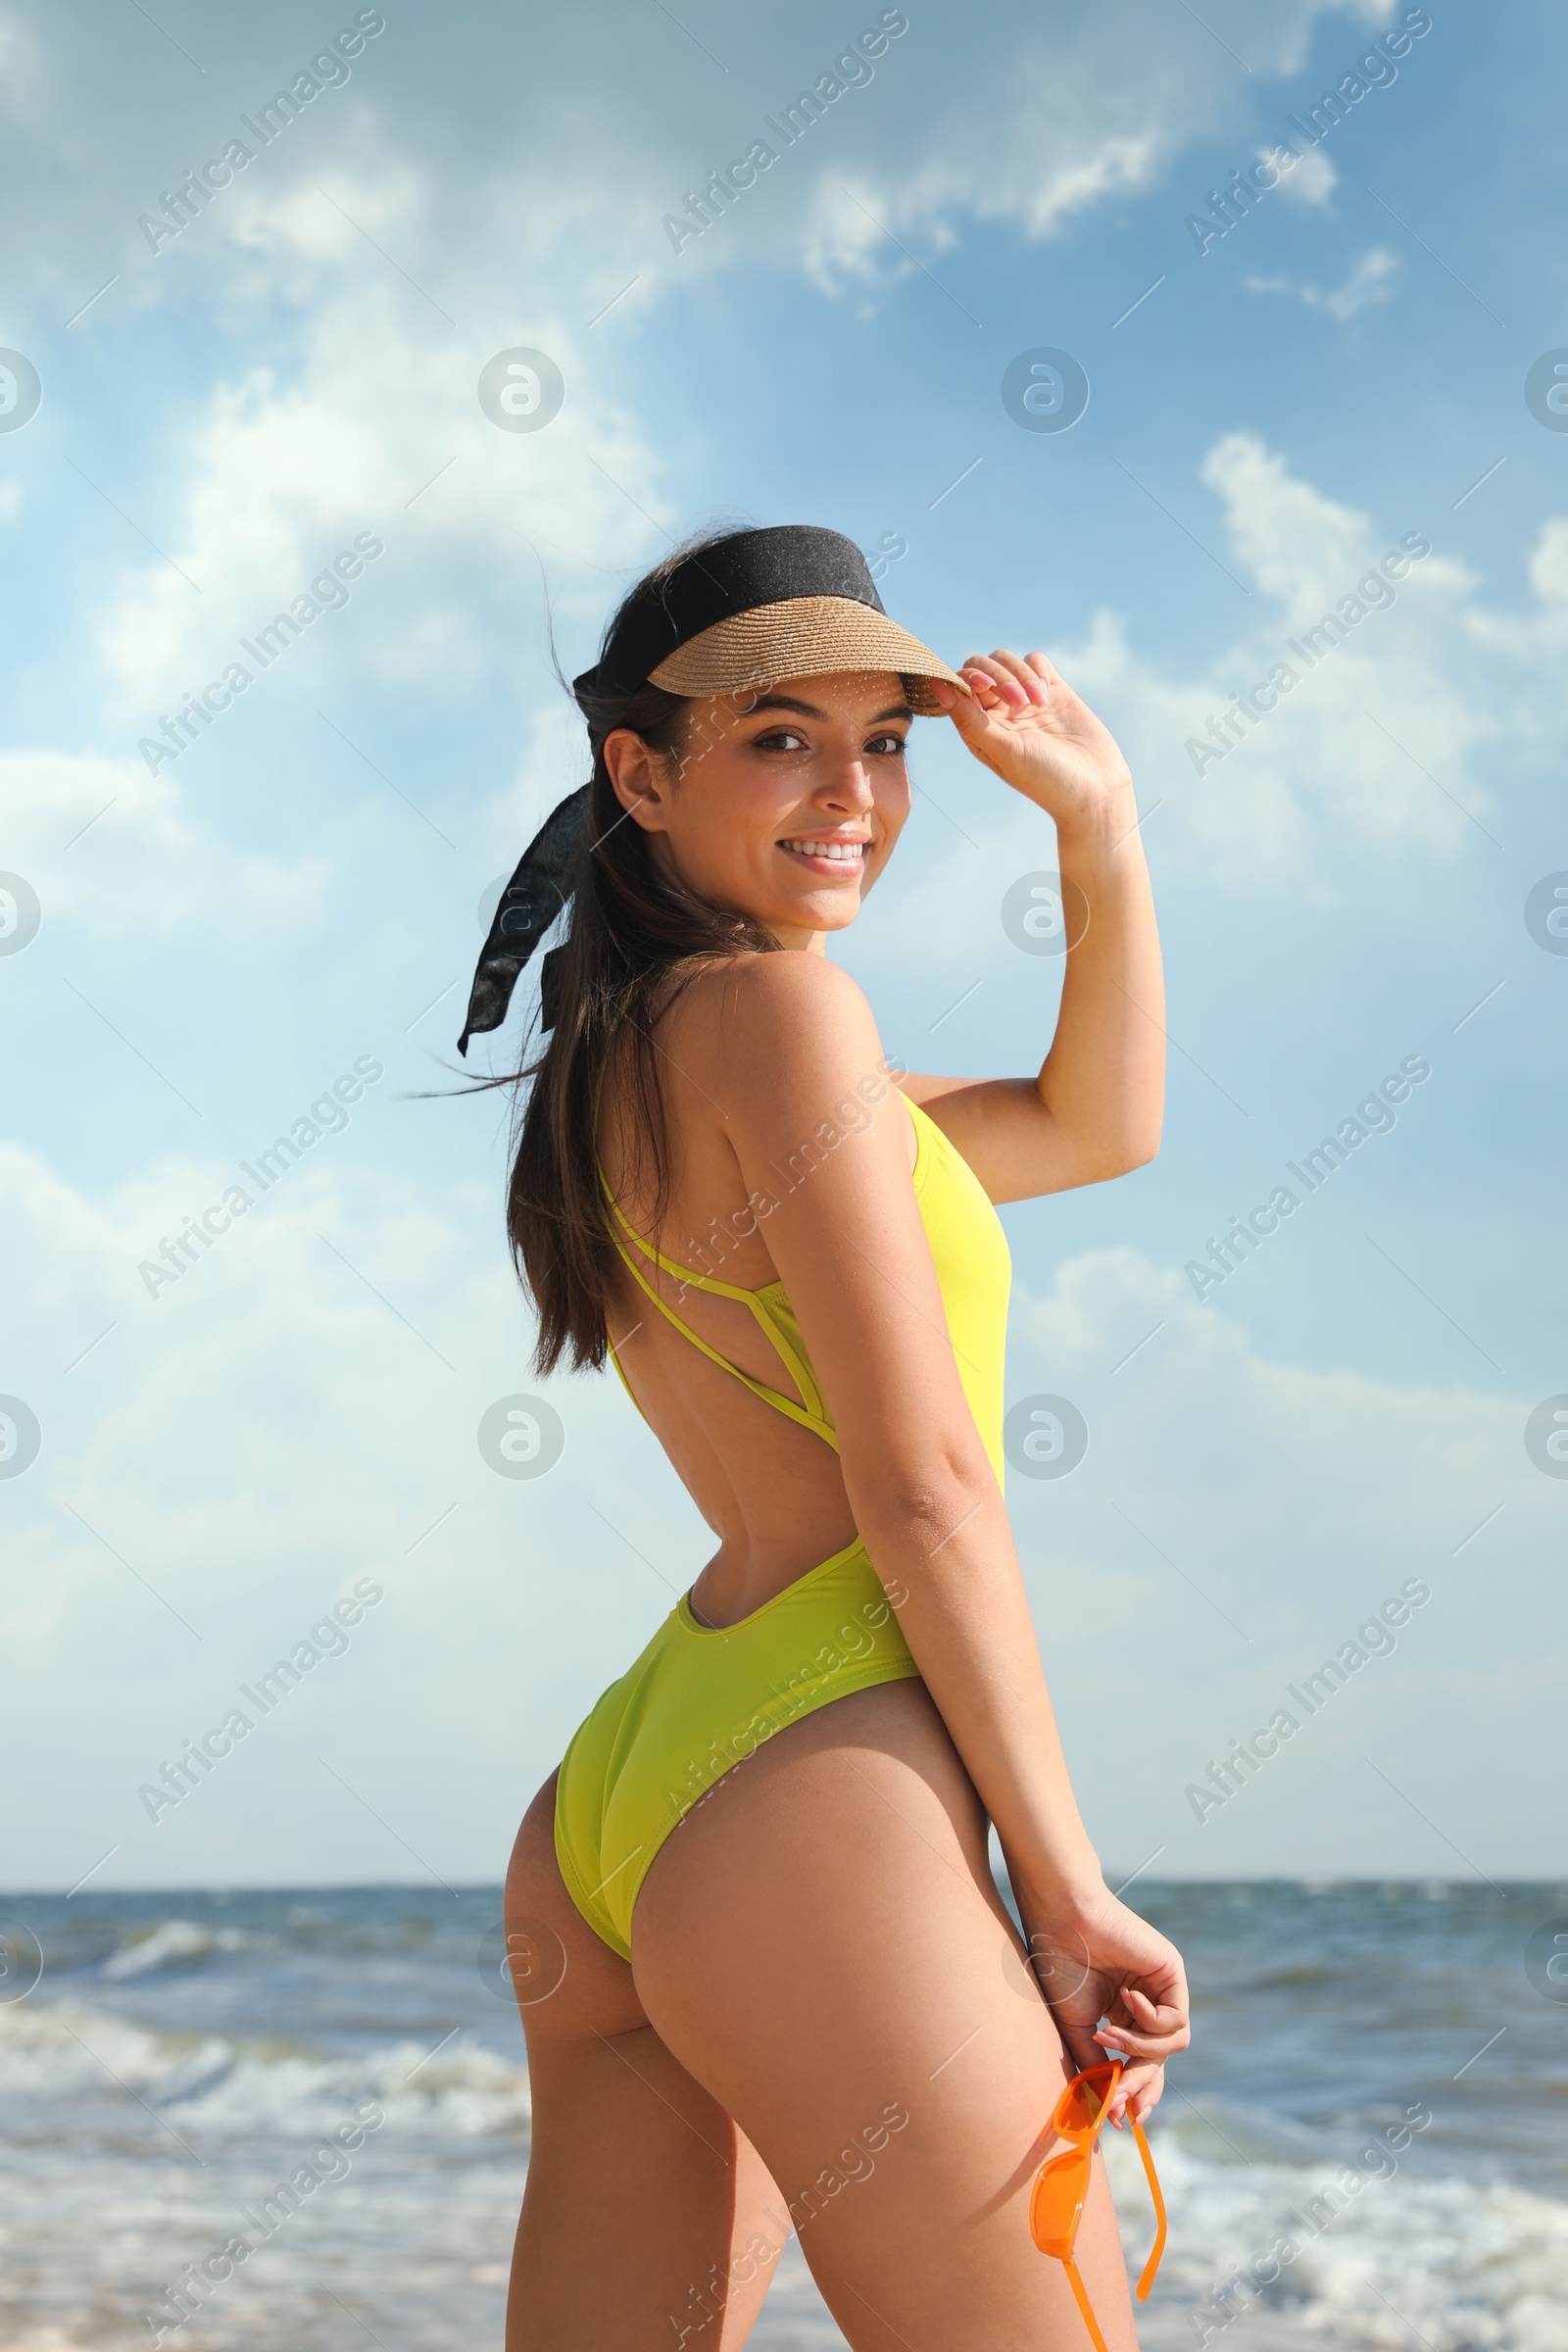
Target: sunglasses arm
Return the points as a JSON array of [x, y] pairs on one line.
[[1081, 2293], [1152, 2264]]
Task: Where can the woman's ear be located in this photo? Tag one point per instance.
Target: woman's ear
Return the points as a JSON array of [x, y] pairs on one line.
[[640, 778]]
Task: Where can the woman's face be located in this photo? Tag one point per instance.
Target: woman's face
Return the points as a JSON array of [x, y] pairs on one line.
[[783, 803]]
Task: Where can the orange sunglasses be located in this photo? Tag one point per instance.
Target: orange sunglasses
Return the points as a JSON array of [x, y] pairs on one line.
[[1056, 2200]]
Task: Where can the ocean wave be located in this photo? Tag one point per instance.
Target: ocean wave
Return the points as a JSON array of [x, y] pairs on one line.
[[208, 2082], [172, 1942], [1468, 2265]]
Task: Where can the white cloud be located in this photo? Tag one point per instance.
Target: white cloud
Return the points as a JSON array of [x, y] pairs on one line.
[[1369, 282], [296, 1412], [110, 848], [284, 475], [1235, 1520], [1317, 770], [1387, 743], [1311, 178]]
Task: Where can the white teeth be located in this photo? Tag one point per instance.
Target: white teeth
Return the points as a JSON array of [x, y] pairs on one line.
[[843, 853]]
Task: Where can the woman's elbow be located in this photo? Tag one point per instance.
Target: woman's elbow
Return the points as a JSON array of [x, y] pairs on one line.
[[922, 1503], [1120, 1155], [1140, 1148]]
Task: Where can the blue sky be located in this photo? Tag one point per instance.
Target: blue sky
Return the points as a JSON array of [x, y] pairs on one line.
[[222, 940]]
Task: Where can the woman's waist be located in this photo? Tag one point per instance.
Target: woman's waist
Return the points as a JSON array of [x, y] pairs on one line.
[[701, 1697], [756, 1564], [835, 1621], [800, 1597]]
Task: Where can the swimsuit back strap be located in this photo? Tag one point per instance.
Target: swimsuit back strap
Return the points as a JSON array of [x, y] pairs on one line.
[[802, 1414], [795, 1364], [624, 1382]]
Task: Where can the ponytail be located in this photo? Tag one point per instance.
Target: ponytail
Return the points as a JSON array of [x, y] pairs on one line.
[[632, 924]]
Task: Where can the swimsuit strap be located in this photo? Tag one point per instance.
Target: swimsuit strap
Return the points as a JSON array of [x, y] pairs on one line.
[[812, 1414], [793, 1364]]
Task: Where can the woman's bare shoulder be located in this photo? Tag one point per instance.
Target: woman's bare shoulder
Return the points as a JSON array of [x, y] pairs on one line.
[[761, 1024]]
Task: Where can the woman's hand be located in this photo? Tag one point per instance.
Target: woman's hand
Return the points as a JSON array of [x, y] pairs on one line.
[[1097, 1960], [1024, 721]]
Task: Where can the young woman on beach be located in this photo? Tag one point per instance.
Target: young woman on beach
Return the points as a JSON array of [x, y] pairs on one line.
[[766, 1977]]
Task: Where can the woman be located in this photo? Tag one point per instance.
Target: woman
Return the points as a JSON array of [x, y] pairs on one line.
[[766, 1977]]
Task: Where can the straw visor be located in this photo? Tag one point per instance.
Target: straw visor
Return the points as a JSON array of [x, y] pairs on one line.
[[802, 637]]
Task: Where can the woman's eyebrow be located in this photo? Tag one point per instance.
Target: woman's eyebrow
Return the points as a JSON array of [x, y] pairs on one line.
[[782, 702]]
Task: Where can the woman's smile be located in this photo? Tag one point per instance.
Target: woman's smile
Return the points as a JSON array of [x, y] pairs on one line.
[[827, 854]]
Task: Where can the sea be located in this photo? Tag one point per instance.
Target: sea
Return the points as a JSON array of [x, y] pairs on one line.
[[181, 2055]]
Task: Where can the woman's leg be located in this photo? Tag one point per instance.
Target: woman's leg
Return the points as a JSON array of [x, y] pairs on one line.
[[641, 2194], [822, 1946]]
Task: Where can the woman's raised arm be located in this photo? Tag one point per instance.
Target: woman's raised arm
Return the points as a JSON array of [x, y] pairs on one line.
[[1093, 1110]]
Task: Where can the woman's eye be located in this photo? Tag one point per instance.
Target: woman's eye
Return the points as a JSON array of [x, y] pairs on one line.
[[782, 739], [886, 747]]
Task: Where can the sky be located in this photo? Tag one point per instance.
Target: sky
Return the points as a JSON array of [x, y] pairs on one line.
[[1340, 380]]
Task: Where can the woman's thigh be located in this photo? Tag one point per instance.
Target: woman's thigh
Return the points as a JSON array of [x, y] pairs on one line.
[[822, 1946], [647, 2214]]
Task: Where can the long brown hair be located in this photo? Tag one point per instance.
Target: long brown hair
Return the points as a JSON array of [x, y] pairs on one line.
[[631, 925]]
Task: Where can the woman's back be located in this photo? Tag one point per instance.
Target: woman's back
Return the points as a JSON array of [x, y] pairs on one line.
[[758, 1452]]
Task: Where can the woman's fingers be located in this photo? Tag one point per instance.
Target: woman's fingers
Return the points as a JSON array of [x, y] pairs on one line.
[[1155, 2017], [1146, 2028], [1155, 2047], [1137, 2093], [1160, 2036], [1147, 2094], [1007, 679], [975, 713], [1026, 670], [1160, 1991], [1141, 2041]]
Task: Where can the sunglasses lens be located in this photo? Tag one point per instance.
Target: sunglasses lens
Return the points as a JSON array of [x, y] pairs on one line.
[[1081, 2104], [1058, 2200]]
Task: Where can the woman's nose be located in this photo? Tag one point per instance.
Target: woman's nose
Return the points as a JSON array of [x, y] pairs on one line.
[[850, 788]]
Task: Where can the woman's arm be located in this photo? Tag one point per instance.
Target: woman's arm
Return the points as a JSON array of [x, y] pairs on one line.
[[848, 1243], [1093, 1110]]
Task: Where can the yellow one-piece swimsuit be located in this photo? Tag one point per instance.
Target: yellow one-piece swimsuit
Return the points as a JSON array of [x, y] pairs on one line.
[[702, 1698]]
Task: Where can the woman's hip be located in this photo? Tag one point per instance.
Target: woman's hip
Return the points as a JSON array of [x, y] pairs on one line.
[[699, 1702]]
